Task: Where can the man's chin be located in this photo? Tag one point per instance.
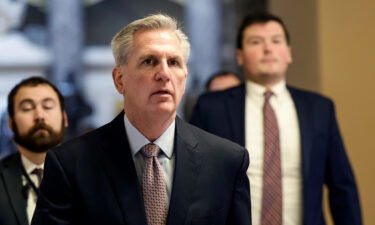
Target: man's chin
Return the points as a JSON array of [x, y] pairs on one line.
[[40, 146], [166, 108]]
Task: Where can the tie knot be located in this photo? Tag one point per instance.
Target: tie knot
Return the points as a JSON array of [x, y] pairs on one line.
[[151, 150], [267, 95], [38, 172]]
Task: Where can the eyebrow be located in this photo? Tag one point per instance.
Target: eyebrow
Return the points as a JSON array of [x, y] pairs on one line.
[[279, 36], [48, 100], [155, 56], [175, 57], [143, 57], [273, 36], [28, 100]]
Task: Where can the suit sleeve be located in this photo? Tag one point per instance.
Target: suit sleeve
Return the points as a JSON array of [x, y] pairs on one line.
[[54, 206], [343, 193], [240, 211]]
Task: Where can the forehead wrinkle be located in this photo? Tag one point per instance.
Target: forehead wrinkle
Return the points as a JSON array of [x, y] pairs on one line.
[[156, 41], [154, 53]]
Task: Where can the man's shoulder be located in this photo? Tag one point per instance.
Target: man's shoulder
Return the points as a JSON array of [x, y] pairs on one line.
[[215, 95], [86, 142], [10, 160], [210, 141], [308, 95]]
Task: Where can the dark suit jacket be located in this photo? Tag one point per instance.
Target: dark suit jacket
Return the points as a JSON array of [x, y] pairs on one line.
[[324, 160], [12, 200], [92, 180]]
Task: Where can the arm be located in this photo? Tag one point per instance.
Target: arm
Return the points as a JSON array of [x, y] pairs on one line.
[[240, 211], [343, 193], [54, 206]]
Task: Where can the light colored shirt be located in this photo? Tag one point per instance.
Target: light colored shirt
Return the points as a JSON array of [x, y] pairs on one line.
[[32, 196], [166, 157], [283, 105]]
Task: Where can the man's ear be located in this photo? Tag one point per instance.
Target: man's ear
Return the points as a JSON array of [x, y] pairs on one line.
[[65, 118], [239, 56], [117, 76], [290, 57], [10, 122]]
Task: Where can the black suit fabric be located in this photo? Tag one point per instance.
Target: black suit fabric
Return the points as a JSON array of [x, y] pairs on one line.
[[12, 200], [92, 180]]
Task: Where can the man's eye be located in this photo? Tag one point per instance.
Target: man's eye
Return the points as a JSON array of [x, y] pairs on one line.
[[48, 104], [48, 107], [26, 108], [174, 63], [254, 42], [148, 61]]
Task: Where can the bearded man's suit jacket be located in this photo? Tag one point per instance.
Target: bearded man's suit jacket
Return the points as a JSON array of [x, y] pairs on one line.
[[324, 161], [92, 180], [13, 196]]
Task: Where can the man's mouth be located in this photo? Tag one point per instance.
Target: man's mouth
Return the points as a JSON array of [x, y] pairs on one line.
[[268, 60], [41, 130], [162, 92]]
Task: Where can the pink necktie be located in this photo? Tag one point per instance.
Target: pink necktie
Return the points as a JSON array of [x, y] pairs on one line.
[[272, 187], [154, 188]]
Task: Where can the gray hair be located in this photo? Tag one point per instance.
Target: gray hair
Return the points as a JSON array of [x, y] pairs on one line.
[[122, 42]]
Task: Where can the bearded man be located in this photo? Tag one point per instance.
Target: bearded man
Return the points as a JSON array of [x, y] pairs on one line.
[[38, 121]]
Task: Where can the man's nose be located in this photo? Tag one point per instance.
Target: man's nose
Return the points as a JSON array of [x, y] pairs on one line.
[[163, 72], [39, 113], [267, 47]]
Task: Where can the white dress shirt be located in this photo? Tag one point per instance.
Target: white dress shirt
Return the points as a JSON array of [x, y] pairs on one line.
[[283, 105], [32, 196], [166, 159]]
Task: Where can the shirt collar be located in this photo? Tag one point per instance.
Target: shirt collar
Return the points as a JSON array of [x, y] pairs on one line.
[[30, 166], [256, 90], [137, 140]]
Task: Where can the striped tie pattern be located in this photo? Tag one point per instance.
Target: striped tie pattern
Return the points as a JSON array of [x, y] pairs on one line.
[[154, 188], [272, 187]]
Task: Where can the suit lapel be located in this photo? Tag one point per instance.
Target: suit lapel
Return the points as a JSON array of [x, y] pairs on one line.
[[119, 165], [236, 107], [185, 173], [13, 183], [303, 112]]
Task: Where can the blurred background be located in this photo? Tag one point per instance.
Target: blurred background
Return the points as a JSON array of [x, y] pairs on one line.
[[68, 42]]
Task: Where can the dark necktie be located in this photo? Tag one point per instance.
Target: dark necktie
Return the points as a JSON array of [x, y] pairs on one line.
[[154, 188], [272, 187], [39, 173]]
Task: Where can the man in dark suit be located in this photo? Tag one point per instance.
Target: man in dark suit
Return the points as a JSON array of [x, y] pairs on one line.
[[38, 120], [292, 135], [146, 166]]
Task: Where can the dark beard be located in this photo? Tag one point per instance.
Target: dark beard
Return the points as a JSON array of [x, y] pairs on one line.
[[36, 140]]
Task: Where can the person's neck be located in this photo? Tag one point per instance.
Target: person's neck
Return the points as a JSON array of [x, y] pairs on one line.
[[36, 158], [267, 85], [151, 126]]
